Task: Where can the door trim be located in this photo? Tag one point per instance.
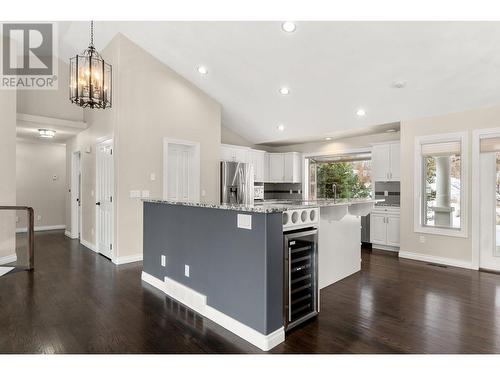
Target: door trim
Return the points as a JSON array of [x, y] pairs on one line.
[[76, 214], [477, 135], [195, 181], [102, 141]]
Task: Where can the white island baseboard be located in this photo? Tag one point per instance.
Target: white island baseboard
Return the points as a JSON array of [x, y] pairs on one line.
[[198, 302]]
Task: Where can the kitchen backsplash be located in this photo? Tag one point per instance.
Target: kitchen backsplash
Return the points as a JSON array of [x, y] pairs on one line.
[[282, 191], [393, 190]]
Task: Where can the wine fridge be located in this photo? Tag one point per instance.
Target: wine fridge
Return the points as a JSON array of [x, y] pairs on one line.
[[301, 276]]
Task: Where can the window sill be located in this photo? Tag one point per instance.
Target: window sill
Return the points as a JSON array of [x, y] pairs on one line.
[[462, 233]]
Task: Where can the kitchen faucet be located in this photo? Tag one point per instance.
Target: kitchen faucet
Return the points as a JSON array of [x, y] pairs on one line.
[[334, 188]]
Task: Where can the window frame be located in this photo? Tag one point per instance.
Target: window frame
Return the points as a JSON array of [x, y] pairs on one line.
[[418, 205]]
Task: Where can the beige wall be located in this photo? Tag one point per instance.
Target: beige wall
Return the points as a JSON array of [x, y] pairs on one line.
[[50, 103], [7, 170], [231, 138], [155, 102], [36, 164], [150, 102], [436, 245]]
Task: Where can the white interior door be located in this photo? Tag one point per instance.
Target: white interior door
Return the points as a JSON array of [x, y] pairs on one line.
[[104, 198], [180, 172], [76, 212], [489, 253]]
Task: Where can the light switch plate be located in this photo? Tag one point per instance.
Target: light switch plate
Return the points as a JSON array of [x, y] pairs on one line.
[[152, 177], [244, 221], [163, 260], [386, 193], [186, 270]]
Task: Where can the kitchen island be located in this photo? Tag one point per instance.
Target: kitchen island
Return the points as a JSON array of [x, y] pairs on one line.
[[226, 262]]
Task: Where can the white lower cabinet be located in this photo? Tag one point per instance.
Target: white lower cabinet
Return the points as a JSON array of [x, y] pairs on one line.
[[378, 229], [384, 228], [393, 230]]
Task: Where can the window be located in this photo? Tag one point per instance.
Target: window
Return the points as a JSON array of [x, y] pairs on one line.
[[440, 169], [351, 174]]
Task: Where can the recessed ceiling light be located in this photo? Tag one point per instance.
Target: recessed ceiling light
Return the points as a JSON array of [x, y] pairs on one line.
[[281, 127], [46, 133], [361, 112], [328, 138], [288, 26], [202, 69], [284, 91], [398, 84], [391, 131]]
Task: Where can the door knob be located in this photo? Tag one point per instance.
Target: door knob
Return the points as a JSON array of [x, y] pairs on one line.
[[98, 204]]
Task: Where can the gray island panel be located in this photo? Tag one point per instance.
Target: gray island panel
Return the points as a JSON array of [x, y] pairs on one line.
[[239, 270]]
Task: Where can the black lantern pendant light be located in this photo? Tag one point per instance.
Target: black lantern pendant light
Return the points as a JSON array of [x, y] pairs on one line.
[[90, 78]]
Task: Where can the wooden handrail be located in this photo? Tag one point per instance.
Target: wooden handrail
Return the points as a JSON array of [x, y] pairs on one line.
[[31, 230]]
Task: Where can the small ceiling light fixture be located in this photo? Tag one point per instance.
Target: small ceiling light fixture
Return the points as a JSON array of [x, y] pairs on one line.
[[202, 70], [398, 84], [361, 112], [90, 78], [46, 133], [328, 138], [284, 91], [281, 127], [288, 26], [391, 131]]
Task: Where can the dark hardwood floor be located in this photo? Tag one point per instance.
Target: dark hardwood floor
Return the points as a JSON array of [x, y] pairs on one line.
[[79, 302]]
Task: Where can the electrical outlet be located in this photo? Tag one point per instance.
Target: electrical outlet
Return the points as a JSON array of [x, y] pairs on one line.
[[39, 217], [152, 177], [422, 239], [163, 260], [386, 193], [203, 193], [186, 270], [17, 219]]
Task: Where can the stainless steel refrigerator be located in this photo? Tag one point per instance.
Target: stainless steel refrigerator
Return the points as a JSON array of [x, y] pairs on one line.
[[236, 182]]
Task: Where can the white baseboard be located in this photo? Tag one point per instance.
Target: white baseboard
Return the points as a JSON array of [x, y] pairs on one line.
[[67, 233], [8, 259], [385, 247], [42, 228], [88, 245], [198, 302], [128, 259], [437, 260]]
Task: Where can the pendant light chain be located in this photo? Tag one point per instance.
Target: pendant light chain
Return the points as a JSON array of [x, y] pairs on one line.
[[91, 33]]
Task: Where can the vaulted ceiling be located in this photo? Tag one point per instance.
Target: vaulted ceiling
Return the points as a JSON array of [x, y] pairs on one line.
[[331, 68]]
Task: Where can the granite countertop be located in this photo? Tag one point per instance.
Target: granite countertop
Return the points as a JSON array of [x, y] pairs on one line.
[[268, 207]]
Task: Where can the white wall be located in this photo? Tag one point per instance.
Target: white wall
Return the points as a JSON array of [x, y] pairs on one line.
[[36, 164], [7, 171], [453, 248]]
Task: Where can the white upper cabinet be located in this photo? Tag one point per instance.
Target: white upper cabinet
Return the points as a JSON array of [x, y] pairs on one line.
[[395, 172], [268, 167], [285, 167], [293, 170], [234, 153], [385, 162], [276, 167], [258, 160]]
